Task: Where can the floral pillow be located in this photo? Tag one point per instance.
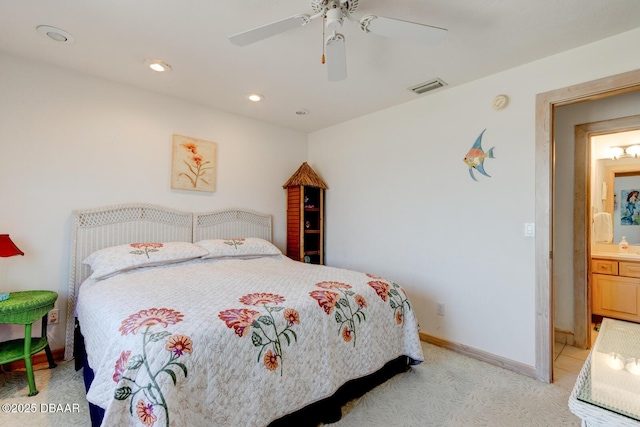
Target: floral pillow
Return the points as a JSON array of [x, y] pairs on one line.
[[250, 247], [116, 259]]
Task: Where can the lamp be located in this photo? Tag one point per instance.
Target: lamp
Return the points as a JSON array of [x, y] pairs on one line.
[[7, 249]]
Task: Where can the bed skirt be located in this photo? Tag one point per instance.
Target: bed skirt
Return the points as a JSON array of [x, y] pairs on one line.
[[328, 410]]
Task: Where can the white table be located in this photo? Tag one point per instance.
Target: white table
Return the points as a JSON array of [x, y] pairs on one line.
[[607, 392]]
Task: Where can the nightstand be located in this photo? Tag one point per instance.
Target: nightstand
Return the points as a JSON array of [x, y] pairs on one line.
[[24, 308]]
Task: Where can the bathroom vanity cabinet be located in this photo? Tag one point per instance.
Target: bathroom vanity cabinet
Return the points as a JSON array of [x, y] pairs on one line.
[[615, 288]]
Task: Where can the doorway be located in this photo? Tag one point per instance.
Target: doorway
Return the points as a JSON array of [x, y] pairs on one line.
[[583, 212], [544, 174]]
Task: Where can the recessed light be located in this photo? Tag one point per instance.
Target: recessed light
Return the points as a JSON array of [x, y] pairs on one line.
[[255, 97], [56, 34], [157, 65]]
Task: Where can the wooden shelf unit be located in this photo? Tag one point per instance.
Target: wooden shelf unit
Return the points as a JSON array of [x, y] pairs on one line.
[[305, 216]]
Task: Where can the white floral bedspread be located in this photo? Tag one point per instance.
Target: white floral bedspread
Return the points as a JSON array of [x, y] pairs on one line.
[[236, 342]]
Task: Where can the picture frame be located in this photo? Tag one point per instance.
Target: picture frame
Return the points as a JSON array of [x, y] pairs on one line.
[[193, 164], [630, 214]]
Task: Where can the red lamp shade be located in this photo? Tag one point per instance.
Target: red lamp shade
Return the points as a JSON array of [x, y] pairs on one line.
[[7, 247]]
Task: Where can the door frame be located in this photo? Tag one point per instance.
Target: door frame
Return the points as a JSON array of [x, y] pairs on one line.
[[582, 219], [544, 177]]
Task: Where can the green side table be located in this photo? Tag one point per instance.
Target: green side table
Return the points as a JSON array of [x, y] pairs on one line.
[[24, 308]]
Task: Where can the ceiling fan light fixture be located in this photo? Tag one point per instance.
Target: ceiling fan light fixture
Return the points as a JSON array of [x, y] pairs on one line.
[[334, 19], [427, 86]]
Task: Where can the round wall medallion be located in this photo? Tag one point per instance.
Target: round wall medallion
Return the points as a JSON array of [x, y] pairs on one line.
[[500, 102]]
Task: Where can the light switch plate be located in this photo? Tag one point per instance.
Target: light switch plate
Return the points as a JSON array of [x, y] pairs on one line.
[[529, 229]]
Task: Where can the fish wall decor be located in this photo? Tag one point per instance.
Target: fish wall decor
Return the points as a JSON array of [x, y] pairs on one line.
[[475, 157]]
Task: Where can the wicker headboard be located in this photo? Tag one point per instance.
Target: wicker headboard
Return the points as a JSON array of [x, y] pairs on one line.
[[98, 228], [230, 223]]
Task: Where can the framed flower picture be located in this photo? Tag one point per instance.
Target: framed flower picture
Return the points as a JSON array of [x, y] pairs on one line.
[[193, 164]]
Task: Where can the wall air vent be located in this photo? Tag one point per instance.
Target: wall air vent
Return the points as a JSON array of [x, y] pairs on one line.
[[427, 86]]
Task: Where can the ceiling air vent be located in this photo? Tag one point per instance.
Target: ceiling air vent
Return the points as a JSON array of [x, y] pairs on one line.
[[427, 86]]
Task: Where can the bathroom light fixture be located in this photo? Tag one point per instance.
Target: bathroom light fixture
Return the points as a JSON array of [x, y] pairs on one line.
[[633, 150], [55, 34], [623, 152], [157, 65], [255, 97], [616, 152]]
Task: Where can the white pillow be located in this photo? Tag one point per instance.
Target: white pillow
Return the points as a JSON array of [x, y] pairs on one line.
[[116, 259], [250, 247]]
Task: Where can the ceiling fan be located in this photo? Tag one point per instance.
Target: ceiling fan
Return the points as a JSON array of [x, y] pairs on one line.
[[333, 12]]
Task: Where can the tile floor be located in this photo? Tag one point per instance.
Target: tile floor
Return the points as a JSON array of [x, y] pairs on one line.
[[567, 362]]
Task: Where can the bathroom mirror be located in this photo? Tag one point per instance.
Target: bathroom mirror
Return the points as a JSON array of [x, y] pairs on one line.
[[622, 200], [615, 185]]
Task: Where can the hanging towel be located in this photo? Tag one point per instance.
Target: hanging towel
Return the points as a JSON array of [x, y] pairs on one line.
[[602, 227]]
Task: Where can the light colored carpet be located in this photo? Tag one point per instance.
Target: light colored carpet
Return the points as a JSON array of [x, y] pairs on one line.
[[58, 387], [447, 390], [451, 390]]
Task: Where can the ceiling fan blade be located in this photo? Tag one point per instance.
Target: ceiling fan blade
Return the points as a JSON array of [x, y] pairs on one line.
[[265, 31], [396, 28], [336, 53]]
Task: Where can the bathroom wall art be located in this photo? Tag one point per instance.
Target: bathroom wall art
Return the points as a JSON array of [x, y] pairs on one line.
[[630, 213]]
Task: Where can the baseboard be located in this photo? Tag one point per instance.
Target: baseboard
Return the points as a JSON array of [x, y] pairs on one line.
[[58, 355], [492, 359], [563, 337], [474, 353]]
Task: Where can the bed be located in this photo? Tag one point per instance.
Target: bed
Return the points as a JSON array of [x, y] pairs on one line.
[[212, 325]]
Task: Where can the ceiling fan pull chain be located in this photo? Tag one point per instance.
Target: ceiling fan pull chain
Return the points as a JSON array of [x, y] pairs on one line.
[[323, 39]]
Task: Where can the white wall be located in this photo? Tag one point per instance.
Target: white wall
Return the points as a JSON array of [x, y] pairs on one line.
[[71, 141], [566, 119], [401, 203]]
